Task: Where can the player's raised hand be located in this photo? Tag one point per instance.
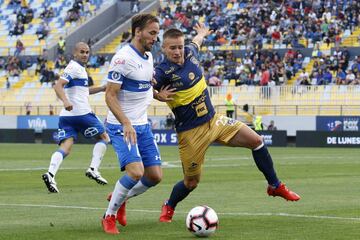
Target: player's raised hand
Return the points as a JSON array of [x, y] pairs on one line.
[[129, 134], [202, 30], [166, 94], [68, 106]]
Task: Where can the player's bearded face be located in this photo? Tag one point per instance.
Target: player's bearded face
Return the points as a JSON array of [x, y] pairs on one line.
[[173, 49], [149, 36]]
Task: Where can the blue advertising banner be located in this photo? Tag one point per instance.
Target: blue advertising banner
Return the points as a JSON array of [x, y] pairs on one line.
[[165, 137], [37, 122], [337, 123]]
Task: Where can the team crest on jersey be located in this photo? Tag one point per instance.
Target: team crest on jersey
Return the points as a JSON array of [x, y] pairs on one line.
[[191, 76], [115, 76], [65, 75]]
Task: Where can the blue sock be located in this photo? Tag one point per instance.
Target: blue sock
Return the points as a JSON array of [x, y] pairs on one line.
[[179, 192], [265, 165]]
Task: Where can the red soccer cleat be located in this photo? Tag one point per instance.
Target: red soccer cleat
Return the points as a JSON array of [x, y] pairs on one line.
[[167, 213], [283, 192], [121, 213], [109, 224]]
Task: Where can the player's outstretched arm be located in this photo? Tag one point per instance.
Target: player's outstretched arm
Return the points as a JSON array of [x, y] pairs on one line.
[[165, 94], [60, 93], [202, 32], [94, 90], [112, 102]]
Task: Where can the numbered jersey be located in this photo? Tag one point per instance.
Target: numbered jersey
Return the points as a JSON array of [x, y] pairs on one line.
[[191, 105], [76, 90]]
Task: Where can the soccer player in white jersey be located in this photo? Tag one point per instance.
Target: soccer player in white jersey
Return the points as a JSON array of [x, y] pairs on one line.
[[129, 93], [77, 117]]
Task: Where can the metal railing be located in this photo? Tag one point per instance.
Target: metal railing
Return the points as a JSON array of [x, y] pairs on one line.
[[276, 100]]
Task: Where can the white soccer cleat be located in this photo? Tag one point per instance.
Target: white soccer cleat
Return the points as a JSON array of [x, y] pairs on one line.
[[50, 183], [92, 174]]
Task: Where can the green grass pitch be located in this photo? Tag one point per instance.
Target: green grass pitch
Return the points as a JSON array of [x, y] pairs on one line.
[[328, 181]]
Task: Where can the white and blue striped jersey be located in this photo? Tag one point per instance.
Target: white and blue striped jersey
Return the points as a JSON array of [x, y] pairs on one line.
[[76, 90], [134, 71]]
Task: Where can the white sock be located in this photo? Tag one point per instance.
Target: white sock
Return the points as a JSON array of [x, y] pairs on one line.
[[119, 194], [98, 153], [55, 162], [138, 189]]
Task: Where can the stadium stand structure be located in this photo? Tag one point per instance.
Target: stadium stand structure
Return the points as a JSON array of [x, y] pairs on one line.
[[289, 98]]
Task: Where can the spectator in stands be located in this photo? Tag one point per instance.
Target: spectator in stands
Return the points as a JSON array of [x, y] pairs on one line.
[[61, 45], [60, 62], [2, 62], [28, 108], [340, 77], [87, 9], [51, 109], [18, 29], [19, 47], [214, 81], [350, 77], [47, 13], [93, 61], [170, 121], [8, 85], [47, 75], [271, 126], [43, 30]]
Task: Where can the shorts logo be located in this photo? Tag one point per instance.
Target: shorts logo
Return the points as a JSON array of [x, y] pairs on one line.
[[90, 132], [115, 76], [61, 133], [193, 165]]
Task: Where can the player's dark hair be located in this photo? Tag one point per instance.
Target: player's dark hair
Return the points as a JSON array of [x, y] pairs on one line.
[[173, 33], [141, 20]]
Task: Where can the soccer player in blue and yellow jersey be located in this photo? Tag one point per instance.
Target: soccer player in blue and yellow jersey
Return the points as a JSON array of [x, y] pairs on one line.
[[196, 122]]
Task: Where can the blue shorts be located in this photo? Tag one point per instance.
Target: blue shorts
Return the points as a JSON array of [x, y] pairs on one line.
[[88, 125], [146, 149]]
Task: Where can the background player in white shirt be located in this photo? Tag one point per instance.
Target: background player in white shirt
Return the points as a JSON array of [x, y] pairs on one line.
[[76, 116], [129, 92]]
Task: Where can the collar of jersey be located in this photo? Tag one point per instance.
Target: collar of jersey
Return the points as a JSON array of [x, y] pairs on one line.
[[83, 65], [139, 53]]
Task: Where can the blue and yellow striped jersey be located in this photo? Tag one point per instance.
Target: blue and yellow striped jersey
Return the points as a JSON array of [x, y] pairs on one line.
[[191, 105]]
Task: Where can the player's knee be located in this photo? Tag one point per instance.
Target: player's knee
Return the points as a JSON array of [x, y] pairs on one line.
[[155, 179], [256, 142], [191, 183], [135, 174]]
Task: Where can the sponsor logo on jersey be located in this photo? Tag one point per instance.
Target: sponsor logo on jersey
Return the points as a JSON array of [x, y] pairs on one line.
[[144, 85], [119, 61]]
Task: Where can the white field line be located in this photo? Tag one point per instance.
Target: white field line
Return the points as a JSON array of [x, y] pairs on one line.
[[157, 211], [177, 163]]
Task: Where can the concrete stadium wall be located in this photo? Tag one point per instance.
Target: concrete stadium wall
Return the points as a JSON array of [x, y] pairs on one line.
[[104, 25]]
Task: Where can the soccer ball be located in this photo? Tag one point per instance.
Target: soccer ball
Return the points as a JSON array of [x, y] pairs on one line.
[[202, 221]]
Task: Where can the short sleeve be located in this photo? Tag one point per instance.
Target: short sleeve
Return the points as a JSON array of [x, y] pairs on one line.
[[119, 68], [194, 48], [70, 72]]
